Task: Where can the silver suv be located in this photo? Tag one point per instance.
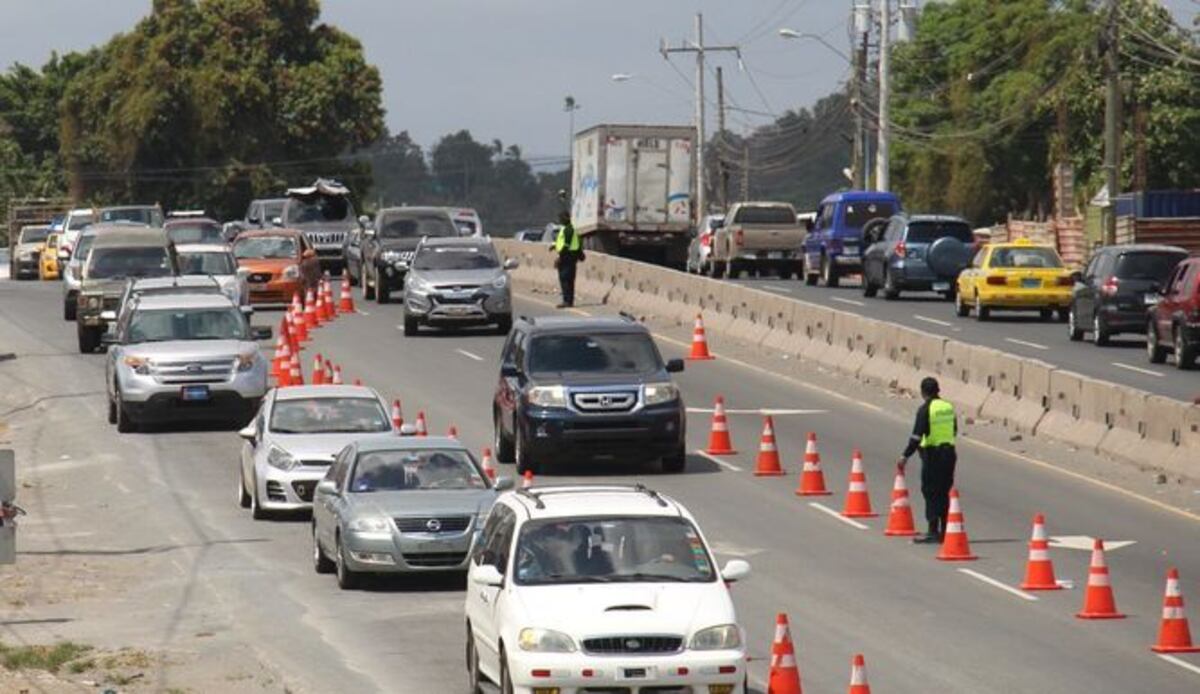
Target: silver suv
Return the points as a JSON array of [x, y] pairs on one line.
[[457, 281], [184, 356]]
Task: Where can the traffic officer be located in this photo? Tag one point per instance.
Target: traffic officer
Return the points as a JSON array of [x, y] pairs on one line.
[[933, 436], [569, 248]]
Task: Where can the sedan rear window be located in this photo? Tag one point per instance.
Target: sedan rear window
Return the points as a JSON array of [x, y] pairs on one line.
[[195, 233], [766, 215], [1147, 265], [268, 247], [391, 471], [329, 416], [207, 263], [859, 213], [605, 353], [928, 232], [1017, 257]]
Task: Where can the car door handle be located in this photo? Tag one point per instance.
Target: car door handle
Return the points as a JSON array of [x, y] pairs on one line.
[[483, 597]]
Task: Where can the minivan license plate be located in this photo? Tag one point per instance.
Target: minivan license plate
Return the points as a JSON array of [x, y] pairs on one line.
[[194, 393], [635, 673]]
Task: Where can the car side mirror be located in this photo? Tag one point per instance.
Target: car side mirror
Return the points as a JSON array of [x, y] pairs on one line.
[[509, 370], [503, 484], [261, 332], [486, 575], [249, 433], [326, 487], [512, 264], [675, 366], [408, 429], [735, 570], [277, 221]]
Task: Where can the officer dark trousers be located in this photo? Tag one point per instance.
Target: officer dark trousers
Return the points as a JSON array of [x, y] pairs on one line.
[[566, 280], [937, 478]]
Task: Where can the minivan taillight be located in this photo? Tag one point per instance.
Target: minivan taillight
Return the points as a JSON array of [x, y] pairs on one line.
[[1110, 286], [900, 249]]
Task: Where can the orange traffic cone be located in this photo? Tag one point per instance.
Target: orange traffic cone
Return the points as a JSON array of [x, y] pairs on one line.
[[1098, 600], [310, 311], [719, 442], [1173, 633], [900, 518], [699, 342], [812, 480], [785, 673], [318, 371], [858, 500], [452, 432], [277, 356], [327, 296], [345, 298], [768, 455], [422, 429], [299, 321], [527, 479], [955, 546], [328, 372], [489, 467], [337, 375], [295, 374], [320, 306], [858, 676], [397, 415], [1039, 570], [283, 364]]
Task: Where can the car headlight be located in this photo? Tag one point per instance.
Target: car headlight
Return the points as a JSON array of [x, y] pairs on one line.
[[91, 302], [657, 393], [389, 256], [369, 525], [500, 282], [717, 638], [548, 396], [291, 272], [245, 361], [279, 458], [140, 365], [418, 284], [545, 641]]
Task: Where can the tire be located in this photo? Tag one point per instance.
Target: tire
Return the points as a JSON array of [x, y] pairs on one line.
[[868, 287], [1185, 352], [501, 445], [504, 324], [1062, 315], [383, 293], [1046, 314], [982, 312], [125, 425], [798, 270], [732, 271], [354, 278], [810, 278], [525, 463], [890, 291], [961, 308], [1155, 352], [716, 269], [347, 579], [675, 463], [829, 273], [1100, 334], [69, 310], [1074, 332], [257, 512], [474, 678], [506, 685], [368, 288], [321, 563], [243, 496], [89, 339], [412, 326], [112, 411]]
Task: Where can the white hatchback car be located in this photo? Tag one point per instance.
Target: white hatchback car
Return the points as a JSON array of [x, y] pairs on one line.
[[600, 588]]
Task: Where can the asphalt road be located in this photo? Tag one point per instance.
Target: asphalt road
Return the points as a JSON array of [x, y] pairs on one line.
[[922, 624], [1020, 333]]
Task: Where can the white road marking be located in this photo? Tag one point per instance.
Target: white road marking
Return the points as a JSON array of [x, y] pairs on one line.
[[1023, 343], [1180, 662], [777, 290], [469, 355], [361, 312], [927, 319], [848, 521], [1085, 543], [852, 302], [722, 463], [1137, 369], [762, 411], [993, 582]]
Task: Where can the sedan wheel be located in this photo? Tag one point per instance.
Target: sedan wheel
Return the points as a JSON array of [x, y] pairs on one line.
[[501, 445], [242, 496], [321, 563], [1154, 351], [1185, 354], [257, 512], [506, 685], [982, 312], [368, 289], [474, 678], [525, 462], [347, 579], [1099, 332], [1074, 333], [961, 308]]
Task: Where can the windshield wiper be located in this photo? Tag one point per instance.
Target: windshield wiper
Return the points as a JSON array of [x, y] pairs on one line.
[[666, 578]]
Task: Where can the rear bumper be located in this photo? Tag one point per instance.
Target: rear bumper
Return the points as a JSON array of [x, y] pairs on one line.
[[1017, 300], [560, 434], [222, 405], [1118, 319], [275, 291], [916, 275]]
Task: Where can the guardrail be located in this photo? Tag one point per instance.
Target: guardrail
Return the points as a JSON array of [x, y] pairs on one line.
[[1025, 395]]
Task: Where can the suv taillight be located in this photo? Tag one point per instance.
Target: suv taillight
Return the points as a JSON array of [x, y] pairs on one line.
[[900, 249], [1110, 286], [706, 240]]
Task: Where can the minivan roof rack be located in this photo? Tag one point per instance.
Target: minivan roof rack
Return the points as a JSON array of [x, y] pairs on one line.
[[535, 493]]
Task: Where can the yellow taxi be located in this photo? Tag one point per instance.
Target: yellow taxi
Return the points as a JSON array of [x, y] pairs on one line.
[[1017, 275], [48, 260]]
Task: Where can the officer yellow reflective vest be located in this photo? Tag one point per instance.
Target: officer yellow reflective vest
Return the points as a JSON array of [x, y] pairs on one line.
[[941, 424], [561, 242]]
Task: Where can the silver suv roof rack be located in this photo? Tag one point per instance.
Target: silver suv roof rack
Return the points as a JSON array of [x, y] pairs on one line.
[[535, 494]]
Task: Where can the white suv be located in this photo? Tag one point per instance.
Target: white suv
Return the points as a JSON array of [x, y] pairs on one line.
[[600, 588]]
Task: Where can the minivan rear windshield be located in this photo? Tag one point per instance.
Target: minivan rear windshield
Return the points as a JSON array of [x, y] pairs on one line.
[[928, 232], [765, 215], [859, 213], [1147, 265]]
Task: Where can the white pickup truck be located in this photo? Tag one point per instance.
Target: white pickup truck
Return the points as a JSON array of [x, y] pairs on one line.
[[759, 236]]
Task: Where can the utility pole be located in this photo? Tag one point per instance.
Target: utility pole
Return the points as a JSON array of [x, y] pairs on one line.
[[722, 172], [699, 49], [1112, 129], [862, 27], [746, 170], [883, 151]]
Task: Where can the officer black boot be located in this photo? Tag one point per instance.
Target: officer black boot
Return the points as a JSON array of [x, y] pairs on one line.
[[930, 537]]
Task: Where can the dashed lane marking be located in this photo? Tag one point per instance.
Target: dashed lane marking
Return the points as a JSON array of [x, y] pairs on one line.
[[361, 312], [762, 411], [852, 302], [1181, 663], [993, 582], [848, 521], [1023, 343], [721, 463], [469, 355], [935, 321], [1085, 543], [1137, 369]]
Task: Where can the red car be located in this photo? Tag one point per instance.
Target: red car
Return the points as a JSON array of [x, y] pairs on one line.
[[1174, 322]]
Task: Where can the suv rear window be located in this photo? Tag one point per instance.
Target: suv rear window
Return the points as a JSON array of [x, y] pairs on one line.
[[1147, 265], [928, 232], [765, 215], [859, 213], [414, 225], [607, 353]]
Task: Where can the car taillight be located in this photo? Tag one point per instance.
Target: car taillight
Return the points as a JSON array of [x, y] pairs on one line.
[[900, 249], [706, 240], [739, 237], [997, 280], [1109, 288], [1066, 281]]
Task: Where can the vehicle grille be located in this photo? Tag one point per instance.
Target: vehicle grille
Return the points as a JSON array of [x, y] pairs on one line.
[[325, 238], [610, 401], [111, 303], [304, 489], [633, 644], [259, 277], [445, 524], [456, 300], [432, 560], [195, 371], [275, 491], [316, 462]]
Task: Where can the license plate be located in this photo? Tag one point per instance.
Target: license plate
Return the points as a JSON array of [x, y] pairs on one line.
[[1031, 283], [635, 673], [194, 393], [1150, 299], [850, 250], [458, 309], [775, 255], [941, 286]]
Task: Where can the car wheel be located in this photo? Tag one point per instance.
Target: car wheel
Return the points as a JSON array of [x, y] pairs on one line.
[[1074, 332], [810, 279], [732, 271], [112, 411], [829, 273], [368, 289], [716, 269], [890, 291], [243, 496], [501, 444], [1185, 352], [504, 324], [525, 462], [1046, 314], [69, 310], [982, 312], [1100, 333], [125, 425], [961, 308], [474, 678], [1154, 351], [347, 579], [353, 276], [321, 563], [676, 462], [506, 685], [257, 512], [89, 339], [411, 326], [383, 293]]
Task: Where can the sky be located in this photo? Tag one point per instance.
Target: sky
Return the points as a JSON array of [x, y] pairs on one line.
[[501, 68]]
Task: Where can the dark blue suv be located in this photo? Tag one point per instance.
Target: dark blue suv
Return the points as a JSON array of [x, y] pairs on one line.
[[577, 390]]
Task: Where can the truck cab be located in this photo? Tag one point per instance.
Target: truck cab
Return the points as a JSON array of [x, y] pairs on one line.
[[834, 247]]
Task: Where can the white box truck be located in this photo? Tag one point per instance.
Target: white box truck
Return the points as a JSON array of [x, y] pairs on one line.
[[632, 191]]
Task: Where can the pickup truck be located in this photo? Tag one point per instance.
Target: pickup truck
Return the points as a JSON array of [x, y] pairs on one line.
[[759, 236]]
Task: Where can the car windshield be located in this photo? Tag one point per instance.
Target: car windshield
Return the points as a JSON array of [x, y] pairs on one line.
[[268, 247], [321, 208], [765, 214], [928, 232], [414, 225], [611, 550], [392, 471], [859, 213], [1018, 257], [199, 232], [271, 210], [115, 263], [207, 263], [78, 222], [141, 215], [34, 235], [1147, 265], [329, 416], [607, 352], [456, 258], [186, 324]]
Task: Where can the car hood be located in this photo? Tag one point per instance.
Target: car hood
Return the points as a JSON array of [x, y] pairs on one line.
[[320, 446], [574, 379], [267, 264], [183, 350], [459, 277], [441, 502], [626, 608]]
